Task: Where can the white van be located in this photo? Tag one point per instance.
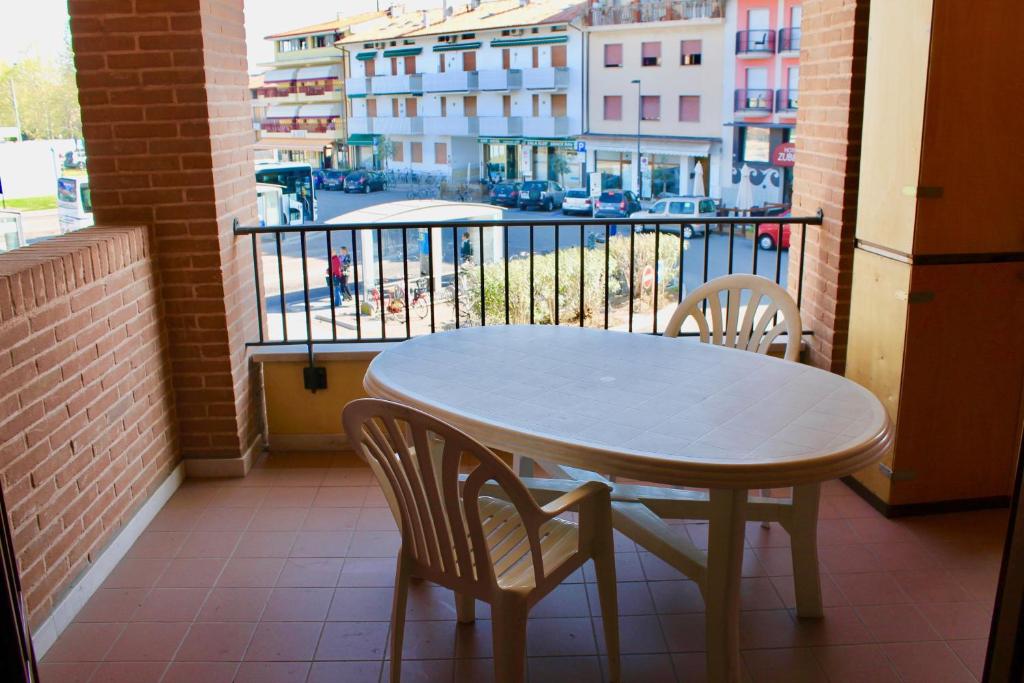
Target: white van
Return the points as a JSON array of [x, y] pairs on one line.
[[671, 212], [74, 204]]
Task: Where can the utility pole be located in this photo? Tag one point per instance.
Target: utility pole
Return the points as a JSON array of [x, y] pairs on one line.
[[639, 117], [17, 114]]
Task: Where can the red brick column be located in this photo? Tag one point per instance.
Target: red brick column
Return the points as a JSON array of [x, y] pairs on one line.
[[828, 132], [168, 131]]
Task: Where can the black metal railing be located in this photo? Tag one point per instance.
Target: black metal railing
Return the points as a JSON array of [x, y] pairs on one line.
[[753, 100], [789, 39], [786, 100], [407, 279], [755, 41]]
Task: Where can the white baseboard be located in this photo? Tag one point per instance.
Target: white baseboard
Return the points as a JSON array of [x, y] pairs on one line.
[[64, 613], [308, 442]]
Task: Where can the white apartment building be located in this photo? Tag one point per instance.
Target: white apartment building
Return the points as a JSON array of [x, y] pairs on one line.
[[489, 88]]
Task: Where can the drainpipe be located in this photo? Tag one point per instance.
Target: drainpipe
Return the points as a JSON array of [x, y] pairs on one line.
[[584, 104]]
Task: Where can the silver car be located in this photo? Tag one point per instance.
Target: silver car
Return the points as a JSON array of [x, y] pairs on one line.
[[673, 212], [577, 202]]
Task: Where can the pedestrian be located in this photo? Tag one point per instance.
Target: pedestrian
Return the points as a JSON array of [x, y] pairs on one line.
[[467, 248], [346, 267], [334, 277]]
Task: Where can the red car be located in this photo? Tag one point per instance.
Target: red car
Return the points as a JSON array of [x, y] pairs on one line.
[[768, 235]]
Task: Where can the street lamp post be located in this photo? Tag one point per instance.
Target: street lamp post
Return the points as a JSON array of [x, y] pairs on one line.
[[639, 117]]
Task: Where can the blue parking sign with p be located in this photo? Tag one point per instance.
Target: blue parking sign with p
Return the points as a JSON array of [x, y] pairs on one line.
[[581, 145]]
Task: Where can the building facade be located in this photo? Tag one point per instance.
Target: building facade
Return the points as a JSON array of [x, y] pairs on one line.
[[489, 90], [766, 50], [301, 98], [655, 95]]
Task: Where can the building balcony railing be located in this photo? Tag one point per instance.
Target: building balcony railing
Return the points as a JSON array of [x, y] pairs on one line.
[[545, 126], [451, 81], [360, 125], [451, 125], [295, 127], [646, 11], [408, 84], [500, 79], [755, 43], [409, 279], [501, 126], [395, 125], [753, 101], [786, 100], [357, 87], [546, 78], [789, 40]]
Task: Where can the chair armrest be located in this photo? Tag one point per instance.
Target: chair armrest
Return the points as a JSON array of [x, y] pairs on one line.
[[573, 498]]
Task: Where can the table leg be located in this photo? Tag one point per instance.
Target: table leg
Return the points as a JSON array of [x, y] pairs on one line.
[[522, 465], [722, 590], [804, 547]]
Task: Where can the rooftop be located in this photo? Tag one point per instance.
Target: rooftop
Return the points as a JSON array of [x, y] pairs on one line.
[[338, 24]]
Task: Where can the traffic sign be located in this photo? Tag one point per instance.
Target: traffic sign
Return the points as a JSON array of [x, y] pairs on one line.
[[581, 146], [647, 278]]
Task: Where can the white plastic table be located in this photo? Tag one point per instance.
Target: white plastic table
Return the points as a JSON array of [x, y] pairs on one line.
[[667, 411]]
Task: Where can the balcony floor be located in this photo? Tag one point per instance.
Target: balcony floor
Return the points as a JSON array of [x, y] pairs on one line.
[[285, 576]]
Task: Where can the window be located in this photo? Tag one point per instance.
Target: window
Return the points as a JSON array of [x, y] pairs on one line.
[[410, 107], [469, 60], [558, 56], [689, 52], [689, 108], [371, 108], [416, 152], [410, 65], [536, 105], [321, 40], [506, 105], [650, 54], [755, 144], [650, 108], [394, 107], [440, 153], [558, 105], [469, 105], [613, 107], [613, 55], [684, 208], [397, 150], [369, 68]]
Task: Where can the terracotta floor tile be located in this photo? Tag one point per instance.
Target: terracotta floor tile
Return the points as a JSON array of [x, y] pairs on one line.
[[901, 556], [215, 642], [148, 642], [234, 604], [375, 498], [971, 653], [755, 535], [474, 671], [251, 572], [560, 669], [931, 585], [265, 544], [768, 629], [272, 672], [474, 641], [128, 672], [242, 496], [209, 544], [958, 620], [627, 568], [367, 572], [896, 623], [831, 596], [298, 604], [279, 641], [838, 626], [567, 600], [676, 597], [347, 672], [835, 532], [278, 519], [340, 497], [322, 544], [351, 640], [691, 667], [759, 593], [333, 519], [421, 671], [157, 544], [112, 604], [200, 672], [224, 519], [646, 668], [878, 529], [560, 637], [634, 597], [926, 663], [312, 572], [82, 642], [429, 602], [776, 561], [348, 476], [783, 666], [66, 672], [136, 573], [376, 519], [375, 544], [175, 518], [852, 506], [656, 569], [289, 496], [874, 588], [361, 603], [429, 640], [171, 604], [198, 572], [638, 635], [850, 663], [853, 558]]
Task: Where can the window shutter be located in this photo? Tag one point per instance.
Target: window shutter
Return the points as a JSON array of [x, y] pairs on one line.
[[689, 108], [651, 107], [613, 54], [613, 108]]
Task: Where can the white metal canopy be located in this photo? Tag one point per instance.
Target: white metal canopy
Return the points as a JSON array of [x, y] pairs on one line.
[[425, 210]]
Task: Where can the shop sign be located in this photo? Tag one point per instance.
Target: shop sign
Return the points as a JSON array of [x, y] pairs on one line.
[[535, 142], [785, 154]]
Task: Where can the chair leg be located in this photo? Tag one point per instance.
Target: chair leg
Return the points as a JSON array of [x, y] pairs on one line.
[[604, 568], [465, 608], [766, 493], [402, 572], [508, 626]]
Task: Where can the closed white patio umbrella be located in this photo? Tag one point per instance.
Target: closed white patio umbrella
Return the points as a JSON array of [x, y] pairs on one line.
[[698, 180], [745, 193]]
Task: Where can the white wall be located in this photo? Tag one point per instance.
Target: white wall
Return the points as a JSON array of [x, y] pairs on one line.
[[31, 168]]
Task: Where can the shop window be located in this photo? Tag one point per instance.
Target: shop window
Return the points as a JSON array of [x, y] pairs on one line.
[[755, 145], [689, 52], [416, 152], [650, 54], [689, 108], [613, 55], [650, 108], [613, 107], [440, 153]]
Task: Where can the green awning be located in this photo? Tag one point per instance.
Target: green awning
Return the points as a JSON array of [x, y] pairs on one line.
[[533, 40], [353, 96], [403, 52], [449, 47], [363, 56], [363, 139]]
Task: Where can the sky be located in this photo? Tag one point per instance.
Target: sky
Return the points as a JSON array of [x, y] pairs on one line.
[[38, 28]]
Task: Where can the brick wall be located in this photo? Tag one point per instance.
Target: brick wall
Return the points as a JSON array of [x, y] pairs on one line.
[[832, 66], [168, 130], [87, 429]]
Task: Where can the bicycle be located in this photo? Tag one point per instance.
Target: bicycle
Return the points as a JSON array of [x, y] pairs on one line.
[[421, 193]]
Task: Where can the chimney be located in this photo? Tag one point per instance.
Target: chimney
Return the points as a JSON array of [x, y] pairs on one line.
[[444, 10], [426, 17]]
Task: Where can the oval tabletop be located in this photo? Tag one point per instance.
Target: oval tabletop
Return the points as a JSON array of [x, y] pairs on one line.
[[657, 409]]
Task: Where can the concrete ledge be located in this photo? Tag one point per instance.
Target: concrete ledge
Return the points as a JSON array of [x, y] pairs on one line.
[[321, 351]]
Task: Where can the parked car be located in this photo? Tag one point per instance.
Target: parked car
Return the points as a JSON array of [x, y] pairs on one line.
[[334, 179], [505, 194], [616, 204], [365, 182], [541, 194], [768, 235], [578, 202], [676, 211]]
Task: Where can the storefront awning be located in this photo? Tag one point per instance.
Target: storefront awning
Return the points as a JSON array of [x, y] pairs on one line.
[[311, 73], [533, 40], [449, 47], [363, 139], [403, 52], [364, 56], [283, 111], [279, 75], [535, 142]]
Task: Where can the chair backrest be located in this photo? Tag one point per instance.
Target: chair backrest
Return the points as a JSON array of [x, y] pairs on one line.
[[417, 460], [756, 330]]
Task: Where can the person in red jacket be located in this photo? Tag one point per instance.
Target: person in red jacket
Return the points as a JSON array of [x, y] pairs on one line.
[[334, 277]]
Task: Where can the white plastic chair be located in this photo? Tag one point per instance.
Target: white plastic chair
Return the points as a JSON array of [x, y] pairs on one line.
[[509, 553], [756, 330]]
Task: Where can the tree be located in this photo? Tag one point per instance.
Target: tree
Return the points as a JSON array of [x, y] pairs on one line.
[[385, 151], [47, 97]]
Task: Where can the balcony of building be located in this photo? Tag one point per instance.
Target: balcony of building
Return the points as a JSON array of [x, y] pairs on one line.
[[645, 11], [755, 43], [786, 101], [545, 126], [358, 86], [753, 101], [451, 125], [397, 125], [402, 84], [546, 78], [501, 126], [451, 81], [500, 80], [789, 41]]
